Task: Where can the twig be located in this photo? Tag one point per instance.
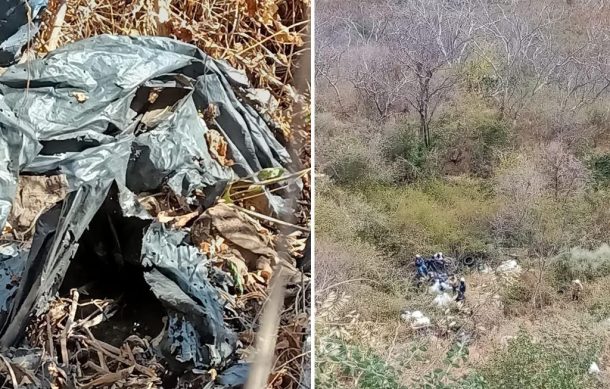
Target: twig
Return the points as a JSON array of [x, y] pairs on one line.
[[10, 371], [265, 342], [50, 336], [259, 43], [63, 341], [393, 342], [318, 292], [269, 218], [58, 23]]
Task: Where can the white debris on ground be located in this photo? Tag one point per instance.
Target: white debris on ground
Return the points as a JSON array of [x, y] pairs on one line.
[[442, 300], [509, 267], [416, 318], [594, 369], [438, 287], [435, 288]]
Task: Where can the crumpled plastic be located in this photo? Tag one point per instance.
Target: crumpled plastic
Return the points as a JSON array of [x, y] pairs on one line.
[[127, 112], [15, 29]]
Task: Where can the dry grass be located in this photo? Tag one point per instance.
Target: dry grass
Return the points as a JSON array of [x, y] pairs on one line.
[[265, 38]]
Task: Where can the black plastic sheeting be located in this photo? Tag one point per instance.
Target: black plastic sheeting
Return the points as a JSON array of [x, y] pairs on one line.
[[15, 29], [83, 111], [179, 279]]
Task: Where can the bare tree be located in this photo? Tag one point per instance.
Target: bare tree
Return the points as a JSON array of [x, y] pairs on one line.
[[380, 79], [432, 40], [585, 78], [333, 39], [565, 173], [517, 41]]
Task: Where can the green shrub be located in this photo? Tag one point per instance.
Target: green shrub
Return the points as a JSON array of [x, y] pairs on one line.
[[448, 216], [582, 264], [445, 379], [490, 135], [556, 361], [342, 365], [404, 147], [600, 170], [473, 128]]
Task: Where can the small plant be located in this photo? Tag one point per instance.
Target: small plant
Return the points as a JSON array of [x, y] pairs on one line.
[[340, 364], [444, 379], [600, 170]]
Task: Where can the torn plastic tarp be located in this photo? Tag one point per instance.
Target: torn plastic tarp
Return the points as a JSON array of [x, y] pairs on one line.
[[234, 377], [15, 30], [87, 114], [179, 278]]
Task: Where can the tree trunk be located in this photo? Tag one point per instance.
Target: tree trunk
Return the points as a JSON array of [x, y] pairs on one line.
[[424, 127], [424, 77]]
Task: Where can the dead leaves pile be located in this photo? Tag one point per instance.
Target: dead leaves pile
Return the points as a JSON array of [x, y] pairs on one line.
[[240, 245], [262, 37], [243, 246], [74, 357]]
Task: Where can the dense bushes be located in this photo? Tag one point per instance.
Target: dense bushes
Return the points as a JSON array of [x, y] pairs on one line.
[[403, 221], [600, 168], [557, 360], [341, 365], [583, 264], [530, 291]]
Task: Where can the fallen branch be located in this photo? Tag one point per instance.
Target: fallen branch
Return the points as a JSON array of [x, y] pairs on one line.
[[269, 218]]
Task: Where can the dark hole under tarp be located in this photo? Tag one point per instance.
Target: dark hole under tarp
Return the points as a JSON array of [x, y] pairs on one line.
[[107, 266]]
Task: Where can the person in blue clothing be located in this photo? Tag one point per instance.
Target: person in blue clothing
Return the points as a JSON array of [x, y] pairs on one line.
[[422, 269], [436, 263], [461, 291]]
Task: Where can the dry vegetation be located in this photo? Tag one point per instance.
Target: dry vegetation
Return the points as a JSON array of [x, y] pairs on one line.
[[267, 39], [477, 129]]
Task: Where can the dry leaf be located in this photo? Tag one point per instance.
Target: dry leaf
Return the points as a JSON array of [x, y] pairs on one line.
[[7, 229], [285, 36], [249, 238], [218, 147], [150, 204], [81, 97], [211, 112], [153, 95], [268, 15], [179, 221], [265, 271], [35, 194], [183, 220], [205, 248], [163, 217], [252, 7]]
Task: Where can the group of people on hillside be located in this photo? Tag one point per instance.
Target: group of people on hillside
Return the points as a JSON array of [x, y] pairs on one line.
[[434, 268]]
